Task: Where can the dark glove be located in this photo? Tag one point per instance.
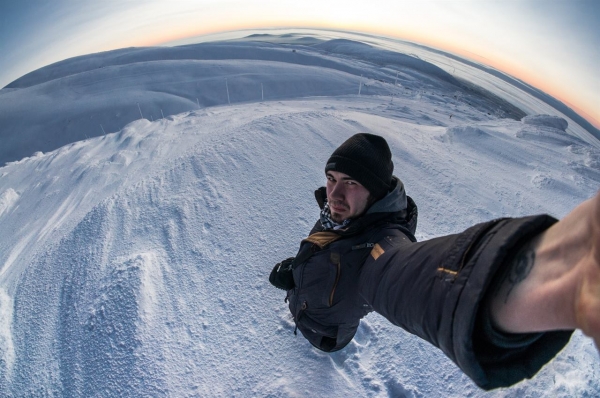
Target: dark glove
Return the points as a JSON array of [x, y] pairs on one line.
[[281, 277]]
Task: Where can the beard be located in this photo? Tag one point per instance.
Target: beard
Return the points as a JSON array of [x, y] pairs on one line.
[[335, 216]]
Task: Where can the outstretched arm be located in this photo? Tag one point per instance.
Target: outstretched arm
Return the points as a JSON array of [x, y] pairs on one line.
[[554, 281]]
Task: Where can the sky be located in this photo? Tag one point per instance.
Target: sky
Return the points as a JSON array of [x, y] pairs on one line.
[[551, 44]]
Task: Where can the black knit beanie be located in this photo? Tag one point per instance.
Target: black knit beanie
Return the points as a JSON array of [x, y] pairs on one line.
[[367, 159]]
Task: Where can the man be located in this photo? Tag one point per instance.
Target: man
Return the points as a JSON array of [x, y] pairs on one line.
[[500, 299]]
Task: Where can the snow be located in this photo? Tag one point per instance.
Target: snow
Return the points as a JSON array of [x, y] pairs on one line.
[[6, 342], [547, 121], [8, 199], [135, 263]]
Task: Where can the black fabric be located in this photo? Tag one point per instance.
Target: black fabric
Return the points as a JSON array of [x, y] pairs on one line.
[[435, 290], [324, 301], [367, 159], [508, 358], [281, 276]]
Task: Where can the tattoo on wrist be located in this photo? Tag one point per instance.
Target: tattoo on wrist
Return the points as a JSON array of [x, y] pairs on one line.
[[519, 268]]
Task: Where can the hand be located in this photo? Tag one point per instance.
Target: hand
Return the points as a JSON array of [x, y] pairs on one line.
[[281, 276], [587, 308], [558, 287]]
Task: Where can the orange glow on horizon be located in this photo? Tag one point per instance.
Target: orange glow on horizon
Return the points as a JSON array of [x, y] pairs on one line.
[[516, 71], [540, 83]]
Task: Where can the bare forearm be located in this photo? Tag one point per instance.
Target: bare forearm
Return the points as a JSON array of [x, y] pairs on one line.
[[531, 297], [541, 288]]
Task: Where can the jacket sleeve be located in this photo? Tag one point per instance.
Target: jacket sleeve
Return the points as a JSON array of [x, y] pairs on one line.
[[434, 289]]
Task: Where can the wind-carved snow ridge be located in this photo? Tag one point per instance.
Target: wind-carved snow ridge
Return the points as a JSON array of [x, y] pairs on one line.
[[546, 121], [546, 128], [8, 199]]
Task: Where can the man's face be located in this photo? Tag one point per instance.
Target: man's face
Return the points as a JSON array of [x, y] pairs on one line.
[[347, 198]]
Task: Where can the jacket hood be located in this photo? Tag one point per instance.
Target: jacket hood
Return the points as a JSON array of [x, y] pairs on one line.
[[393, 202]]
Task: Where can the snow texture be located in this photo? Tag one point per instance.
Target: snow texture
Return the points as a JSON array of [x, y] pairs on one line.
[[135, 263], [546, 121]]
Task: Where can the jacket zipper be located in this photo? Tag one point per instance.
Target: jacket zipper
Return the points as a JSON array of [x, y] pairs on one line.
[[335, 257]]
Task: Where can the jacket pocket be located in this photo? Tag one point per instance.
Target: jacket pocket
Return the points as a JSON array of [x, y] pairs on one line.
[[318, 279]]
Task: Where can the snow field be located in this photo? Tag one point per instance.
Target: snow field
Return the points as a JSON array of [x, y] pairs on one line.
[[154, 278], [136, 263]]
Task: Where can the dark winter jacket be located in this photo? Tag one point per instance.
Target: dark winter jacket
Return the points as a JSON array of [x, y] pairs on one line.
[[433, 289], [326, 270]]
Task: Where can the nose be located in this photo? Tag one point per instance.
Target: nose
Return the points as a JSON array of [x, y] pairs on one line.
[[337, 191]]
